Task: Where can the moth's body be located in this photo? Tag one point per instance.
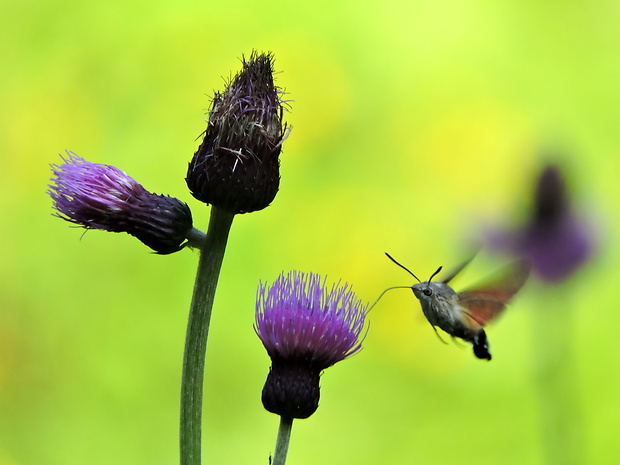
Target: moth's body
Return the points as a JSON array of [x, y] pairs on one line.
[[442, 309], [464, 314]]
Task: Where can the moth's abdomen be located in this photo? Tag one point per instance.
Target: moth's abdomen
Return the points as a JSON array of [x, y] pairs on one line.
[[481, 345]]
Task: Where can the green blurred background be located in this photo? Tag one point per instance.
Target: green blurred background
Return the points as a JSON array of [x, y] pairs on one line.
[[415, 124]]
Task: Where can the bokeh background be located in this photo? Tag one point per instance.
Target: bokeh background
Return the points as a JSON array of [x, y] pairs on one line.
[[416, 125]]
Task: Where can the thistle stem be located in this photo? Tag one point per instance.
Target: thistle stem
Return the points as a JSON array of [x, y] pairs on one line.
[[284, 436], [195, 238], [557, 382], [211, 256]]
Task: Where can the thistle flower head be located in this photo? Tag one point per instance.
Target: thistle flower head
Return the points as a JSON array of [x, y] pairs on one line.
[[555, 240], [236, 166], [305, 328], [97, 196]]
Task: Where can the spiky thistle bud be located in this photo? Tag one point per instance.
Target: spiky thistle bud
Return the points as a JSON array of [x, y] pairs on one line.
[[97, 196], [305, 328], [236, 167]]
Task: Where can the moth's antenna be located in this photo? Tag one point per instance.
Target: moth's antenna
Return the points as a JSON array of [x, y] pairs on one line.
[[435, 273], [405, 268]]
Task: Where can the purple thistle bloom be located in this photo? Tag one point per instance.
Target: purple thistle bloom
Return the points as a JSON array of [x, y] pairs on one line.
[[305, 328], [236, 167], [97, 196], [555, 240]]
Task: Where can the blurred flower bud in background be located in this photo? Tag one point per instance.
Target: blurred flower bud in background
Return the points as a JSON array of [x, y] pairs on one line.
[[555, 238]]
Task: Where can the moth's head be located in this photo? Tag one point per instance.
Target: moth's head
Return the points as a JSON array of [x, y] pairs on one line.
[[427, 291]]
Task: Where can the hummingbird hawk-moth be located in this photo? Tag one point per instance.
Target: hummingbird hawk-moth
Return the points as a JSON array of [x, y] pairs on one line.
[[464, 314]]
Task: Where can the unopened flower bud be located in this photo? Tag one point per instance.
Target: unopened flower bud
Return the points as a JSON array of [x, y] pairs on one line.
[[236, 167]]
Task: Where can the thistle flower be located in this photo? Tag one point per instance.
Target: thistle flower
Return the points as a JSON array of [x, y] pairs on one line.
[[236, 167], [555, 239], [97, 196], [305, 328]]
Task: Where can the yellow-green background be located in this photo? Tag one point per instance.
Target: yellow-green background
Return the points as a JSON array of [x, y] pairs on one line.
[[413, 122]]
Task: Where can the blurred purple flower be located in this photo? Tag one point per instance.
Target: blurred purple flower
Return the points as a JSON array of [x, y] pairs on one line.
[[97, 196], [555, 240], [305, 328]]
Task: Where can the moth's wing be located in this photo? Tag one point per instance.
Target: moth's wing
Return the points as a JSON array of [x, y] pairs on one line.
[[485, 301], [481, 310], [453, 272], [502, 285]]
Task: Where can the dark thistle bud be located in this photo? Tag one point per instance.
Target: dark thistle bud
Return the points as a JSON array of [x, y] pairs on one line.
[[97, 196], [305, 328], [236, 167]]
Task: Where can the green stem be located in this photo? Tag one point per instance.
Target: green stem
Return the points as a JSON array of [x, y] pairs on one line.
[[211, 256], [195, 238], [284, 436], [557, 381]]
